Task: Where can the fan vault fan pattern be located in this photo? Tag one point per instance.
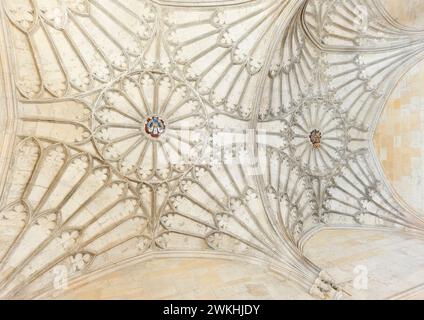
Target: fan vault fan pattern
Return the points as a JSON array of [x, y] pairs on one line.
[[158, 126]]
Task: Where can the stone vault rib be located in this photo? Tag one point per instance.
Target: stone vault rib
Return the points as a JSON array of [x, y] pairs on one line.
[[239, 129]]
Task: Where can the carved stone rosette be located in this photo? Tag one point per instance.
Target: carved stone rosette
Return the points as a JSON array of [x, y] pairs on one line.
[[116, 107]]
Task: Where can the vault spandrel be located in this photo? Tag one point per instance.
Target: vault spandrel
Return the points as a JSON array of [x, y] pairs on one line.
[[155, 126]]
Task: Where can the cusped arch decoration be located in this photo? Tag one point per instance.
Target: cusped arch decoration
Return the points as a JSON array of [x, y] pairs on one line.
[[283, 105]]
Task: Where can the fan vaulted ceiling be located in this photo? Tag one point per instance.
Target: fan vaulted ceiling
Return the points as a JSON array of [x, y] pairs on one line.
[[221, 128]]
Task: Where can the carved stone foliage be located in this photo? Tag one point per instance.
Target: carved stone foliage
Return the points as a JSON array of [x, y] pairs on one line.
[[157, 127]]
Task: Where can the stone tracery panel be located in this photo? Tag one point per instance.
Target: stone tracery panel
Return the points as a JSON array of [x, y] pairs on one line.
[[123, 126], [118, 129]]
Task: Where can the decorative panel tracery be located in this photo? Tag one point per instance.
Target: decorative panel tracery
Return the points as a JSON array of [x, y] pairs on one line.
[[151, 126]]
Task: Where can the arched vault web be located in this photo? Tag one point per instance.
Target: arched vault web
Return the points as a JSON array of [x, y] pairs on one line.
[[235, 128]]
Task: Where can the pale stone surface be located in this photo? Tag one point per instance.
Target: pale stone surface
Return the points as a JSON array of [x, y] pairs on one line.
[[393, 262], [408, 13], [185, 278], [87, 187], [399, 138]]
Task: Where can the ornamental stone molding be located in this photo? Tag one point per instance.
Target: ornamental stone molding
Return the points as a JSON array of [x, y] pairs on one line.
[[233, 129]]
